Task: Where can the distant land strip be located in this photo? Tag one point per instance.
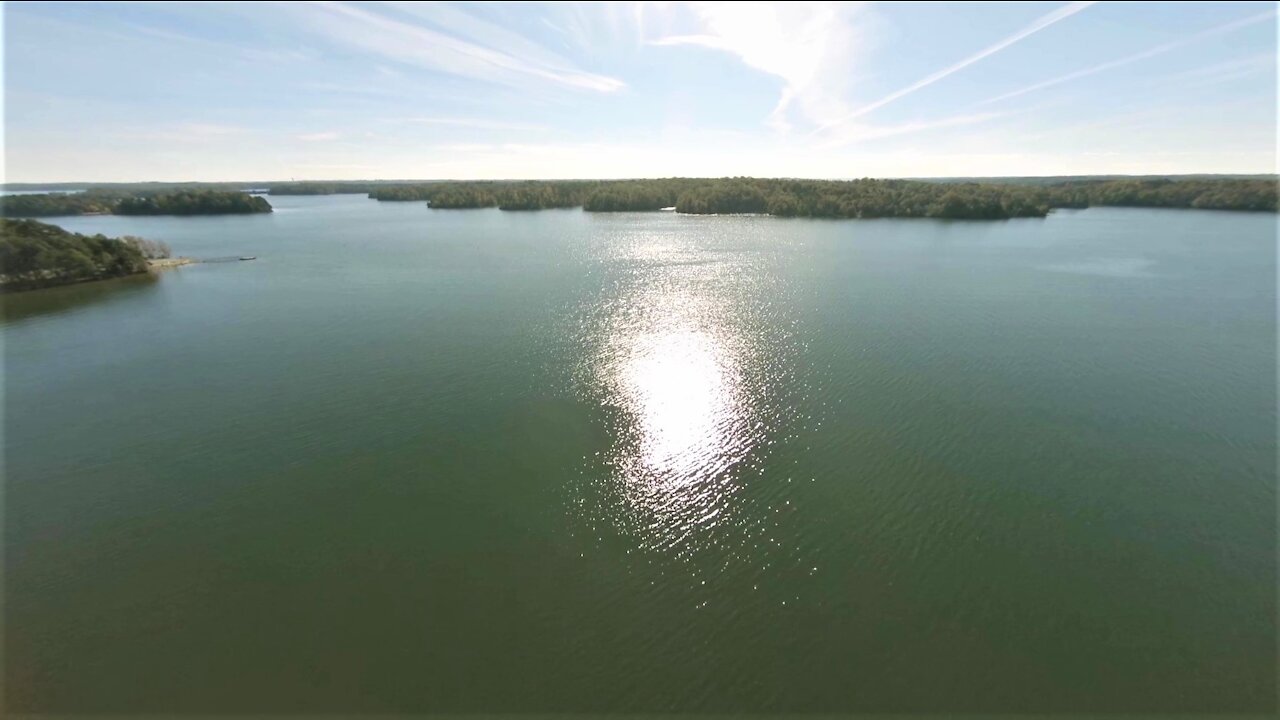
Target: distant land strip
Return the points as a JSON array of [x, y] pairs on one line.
[[109, 201], [953, 198]]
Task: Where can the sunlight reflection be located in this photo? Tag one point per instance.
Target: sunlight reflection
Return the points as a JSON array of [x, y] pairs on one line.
[[682, 391], [678, 378], [684, 359]]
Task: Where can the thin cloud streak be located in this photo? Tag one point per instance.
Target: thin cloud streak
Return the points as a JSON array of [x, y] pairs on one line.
[[251, 54], [471, 123], [466, 27], [1136, 57], [1043, 22], [417, 45]]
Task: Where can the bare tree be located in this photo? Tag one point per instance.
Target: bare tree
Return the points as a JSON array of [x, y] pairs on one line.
[[150, 249]]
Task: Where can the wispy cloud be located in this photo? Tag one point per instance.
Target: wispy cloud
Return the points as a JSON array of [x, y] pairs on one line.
[[470, 123], [1041, 23], [457, 22], [810, 46], [1137, 57], [415, 44], [252, 54], [318, 136]]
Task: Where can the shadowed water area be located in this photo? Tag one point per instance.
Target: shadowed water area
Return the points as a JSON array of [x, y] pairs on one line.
[[460, 461]]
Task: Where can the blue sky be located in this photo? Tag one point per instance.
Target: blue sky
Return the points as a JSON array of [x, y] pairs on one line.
[[178, 91]]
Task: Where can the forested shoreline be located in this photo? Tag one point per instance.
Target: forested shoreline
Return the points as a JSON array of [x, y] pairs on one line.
[[120, 202], [961, 199], [322, 188], [37, 255], [866, 198]]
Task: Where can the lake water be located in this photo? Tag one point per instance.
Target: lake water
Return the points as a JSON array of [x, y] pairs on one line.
[[461, 461]]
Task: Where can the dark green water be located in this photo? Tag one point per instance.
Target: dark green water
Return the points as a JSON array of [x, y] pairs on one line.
[[462, 461]]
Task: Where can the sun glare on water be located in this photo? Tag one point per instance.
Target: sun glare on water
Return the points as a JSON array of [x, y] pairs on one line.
[[681, 387], [676, 372]]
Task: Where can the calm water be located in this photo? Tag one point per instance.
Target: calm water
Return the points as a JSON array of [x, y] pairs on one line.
[[433, 461]]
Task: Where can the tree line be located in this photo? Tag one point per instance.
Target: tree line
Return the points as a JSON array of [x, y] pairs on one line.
[[321, 188], [35, 254], [1203, 193], [404, 193], [114, 202], [787, 198], [865, 198]]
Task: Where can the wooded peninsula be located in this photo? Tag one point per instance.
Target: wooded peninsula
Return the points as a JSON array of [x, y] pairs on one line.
[[35, 255]]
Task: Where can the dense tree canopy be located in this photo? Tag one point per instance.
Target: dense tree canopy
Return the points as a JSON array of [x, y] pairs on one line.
[[981, 199], [634, 196], [539, 195], [864, 198], [50, 204], [174, 202], [1203, 193], [461, 196], [403, 193], [131, 188], [807, 198], [193, 202], [737, 195], [34, 254]]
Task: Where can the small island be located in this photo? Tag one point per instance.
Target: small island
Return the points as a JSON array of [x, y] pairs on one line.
[[115, 202], [36, 255]]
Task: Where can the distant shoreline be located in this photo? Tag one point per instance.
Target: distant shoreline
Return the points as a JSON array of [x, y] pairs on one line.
[[107, 201], [957, 199]]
